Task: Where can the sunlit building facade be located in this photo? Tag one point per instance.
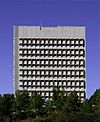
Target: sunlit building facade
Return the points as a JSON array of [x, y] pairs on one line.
[[45, 57]]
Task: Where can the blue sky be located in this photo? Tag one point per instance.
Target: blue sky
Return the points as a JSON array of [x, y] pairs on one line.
[[50, 13]]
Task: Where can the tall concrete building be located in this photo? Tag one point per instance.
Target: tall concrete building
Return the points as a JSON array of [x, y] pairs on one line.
[[45, 57]]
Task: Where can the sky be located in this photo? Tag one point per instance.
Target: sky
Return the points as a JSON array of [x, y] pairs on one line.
[[50, 13]]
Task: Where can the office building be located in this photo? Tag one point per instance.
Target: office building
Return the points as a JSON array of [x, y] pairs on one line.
[[45, 57]]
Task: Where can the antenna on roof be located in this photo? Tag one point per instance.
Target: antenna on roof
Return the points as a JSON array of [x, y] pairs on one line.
[[40, 24]]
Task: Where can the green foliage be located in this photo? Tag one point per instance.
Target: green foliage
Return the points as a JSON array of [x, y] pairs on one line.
[[6, 104], [85, 106], [22, 104], [49, 106], [62, 108], [95, 100], [36, 104]]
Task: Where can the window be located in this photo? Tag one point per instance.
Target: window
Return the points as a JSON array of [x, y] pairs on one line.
[[47, 73], [47, 93], [46, 51], [29, 83], [55, 51], [72, 52], [55, 72], [76, 52], [68, 62], [60, 83], [38, 41], [64, 52], [29, 41], [55, 41], [33, 51], [42, 94], [47, 83], [72, 42], [60, 72], [38, 51], [25, 51], [68, 83], [68, 41], [29, 62], [42, 72], [38, 62], [59, 41], [72, 62], [42, 51], [29, 52], [25, 72], [51, 72], [51, 62], [25, 83], [25, 41], [68, 51], [81, 72], [51, 41], [73, 83], [81, 52], [81, 42], [76, 41], [59, 62], [55, 83], [20, 51], [42, 41], [51, 94], [81, 62], [38, 72], [29, 72], [33, 83], [64, 62], [73, 73], [25, 62], [46, 62], [55, 62], [82, 84], [46, 41], [77, 62], [64, 42], [64, 83], [59, 52], [64, 72], [51, 52], [42, 62], [77, 83], [77, 72], [33, 72], [68, 72], [51, 83], [42, 83], [82, 94], [33, 62], [38, 83]]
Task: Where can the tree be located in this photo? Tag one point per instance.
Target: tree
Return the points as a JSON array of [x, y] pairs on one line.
[[95, 100], [71, 103], [85, 106], [49, 106], [22, 101], [6, 101], [36, 104]]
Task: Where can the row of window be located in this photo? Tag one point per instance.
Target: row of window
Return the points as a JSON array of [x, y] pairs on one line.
[[52, 73], [51, 42], [81, 94], [52, 62], [52, 52], [50, 83]]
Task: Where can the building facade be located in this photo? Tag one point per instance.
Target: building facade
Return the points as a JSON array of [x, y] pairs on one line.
[[45, 57]]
